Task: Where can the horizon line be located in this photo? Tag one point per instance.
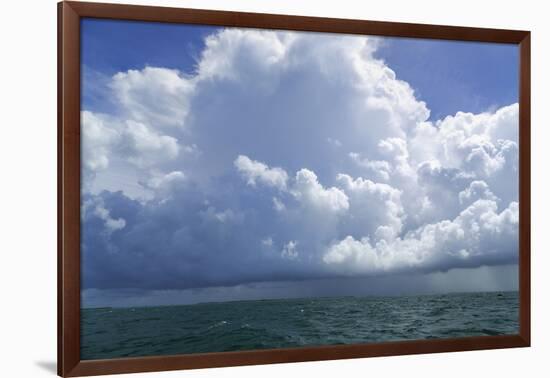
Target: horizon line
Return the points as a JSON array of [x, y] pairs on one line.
[[303, 298]]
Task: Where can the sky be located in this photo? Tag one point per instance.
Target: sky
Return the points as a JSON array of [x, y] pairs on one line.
[[229, 164]]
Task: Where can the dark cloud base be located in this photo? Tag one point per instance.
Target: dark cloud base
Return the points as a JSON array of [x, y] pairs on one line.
[[500, 278]]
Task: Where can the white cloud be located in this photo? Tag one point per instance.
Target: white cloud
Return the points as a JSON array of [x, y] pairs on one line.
[[396, 151], [165, 186], [479, 235], [163, 180], [311, 193], [97, 140], [476, 190], [155, 96], [375, 208], [473, 142], [143, 147], [241, 55], [395, 164], [463, 148], [106, 138], [353, 252], [255, 171], [380, 169], [97, 207], [305, 186]]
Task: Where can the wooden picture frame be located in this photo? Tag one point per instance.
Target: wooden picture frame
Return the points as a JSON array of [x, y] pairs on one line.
[[69, 16]]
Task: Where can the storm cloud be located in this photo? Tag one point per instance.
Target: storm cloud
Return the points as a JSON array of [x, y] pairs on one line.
[[289, 157]]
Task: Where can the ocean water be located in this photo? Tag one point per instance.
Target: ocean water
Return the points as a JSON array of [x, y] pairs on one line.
[[284, 323]]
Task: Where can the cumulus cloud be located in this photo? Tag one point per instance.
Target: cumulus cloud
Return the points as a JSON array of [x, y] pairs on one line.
[[114, 147], [380, 169], [305, 187], [476, 190], [472, 143], [288, 156], [243, 55], [141, 146], [155, 96], [97, 207], [478, 235], [167, 179], [97, 140], [310, 192], [375, 207], [255, 171]]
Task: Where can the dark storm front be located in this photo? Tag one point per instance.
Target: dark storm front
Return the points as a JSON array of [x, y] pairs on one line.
[[287, 323]]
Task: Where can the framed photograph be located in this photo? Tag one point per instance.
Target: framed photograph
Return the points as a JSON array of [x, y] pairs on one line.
[[239, 188]]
